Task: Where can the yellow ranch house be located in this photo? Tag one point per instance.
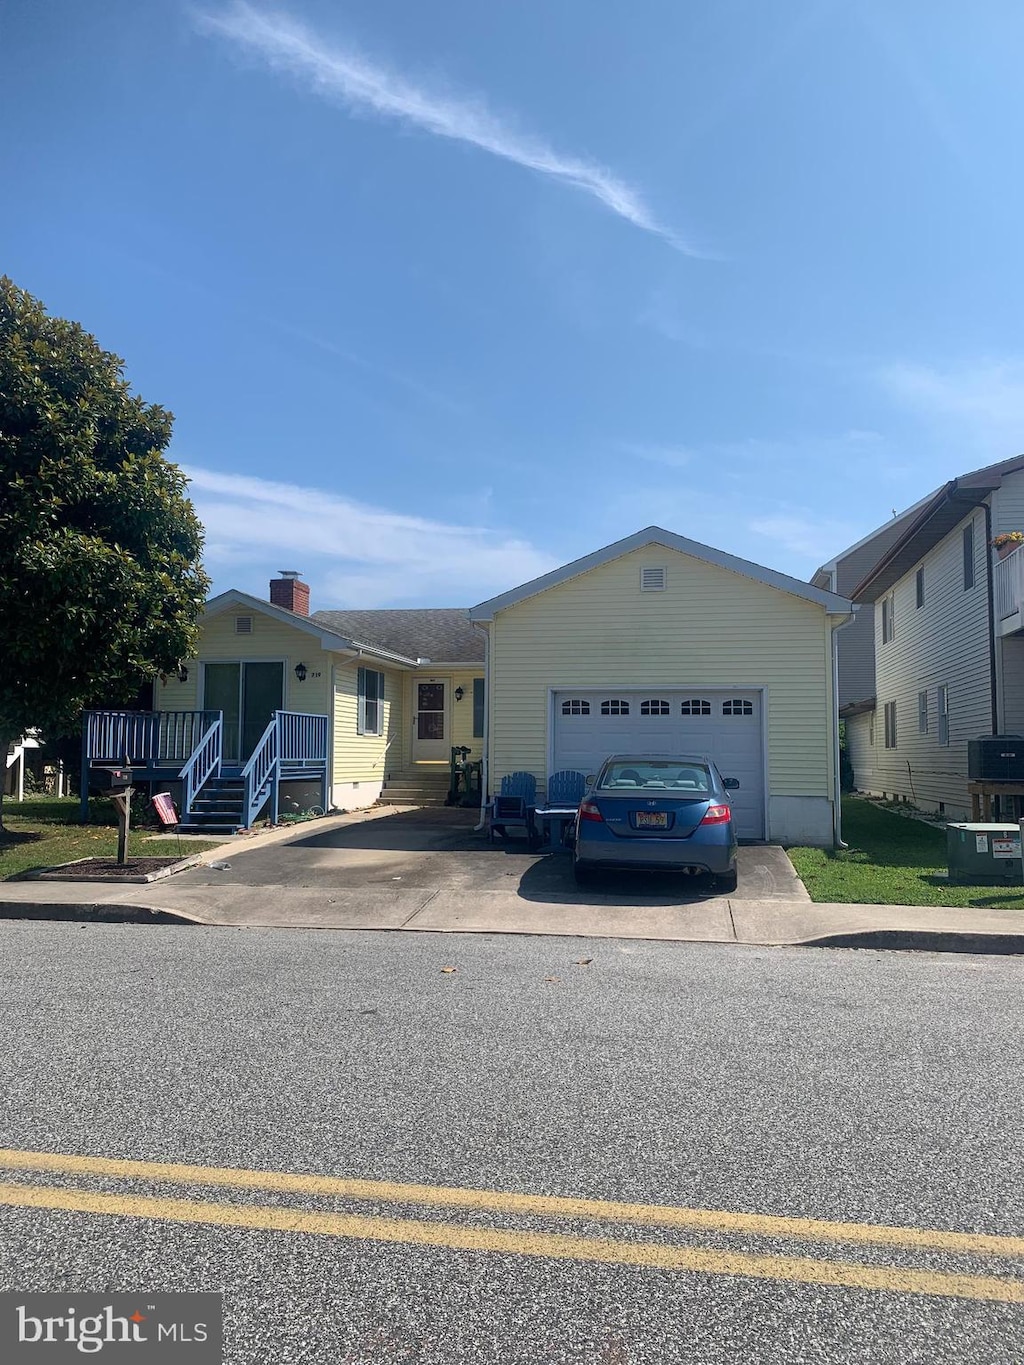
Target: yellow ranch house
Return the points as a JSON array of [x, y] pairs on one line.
[[653, 643]]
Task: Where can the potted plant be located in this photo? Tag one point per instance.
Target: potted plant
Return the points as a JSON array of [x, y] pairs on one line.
[[1006, 542]]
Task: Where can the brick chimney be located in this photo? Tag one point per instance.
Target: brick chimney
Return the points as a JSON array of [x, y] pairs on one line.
[[290, 591]]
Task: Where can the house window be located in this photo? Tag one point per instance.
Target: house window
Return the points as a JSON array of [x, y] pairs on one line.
[[655, 707], [575, 707], [922, 712], [696, 706], [969, 556], [243, 625], [737, 707], [653, 580], [478, 708], [615, 707], [942, 711], [370, 692], [871, 731], [919, 586], [890, 725], [888, 618]]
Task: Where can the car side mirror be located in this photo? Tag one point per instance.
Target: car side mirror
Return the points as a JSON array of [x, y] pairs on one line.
[[731, 783], [591, 778]]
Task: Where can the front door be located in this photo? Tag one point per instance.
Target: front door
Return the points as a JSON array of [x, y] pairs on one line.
[[248, 694], [430, 722]]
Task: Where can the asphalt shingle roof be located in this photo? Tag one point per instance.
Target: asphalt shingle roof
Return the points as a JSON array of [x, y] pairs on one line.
[[444, 634]]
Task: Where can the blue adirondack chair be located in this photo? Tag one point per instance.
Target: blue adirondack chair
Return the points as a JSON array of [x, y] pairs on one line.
[[566, 788], [513, 807]]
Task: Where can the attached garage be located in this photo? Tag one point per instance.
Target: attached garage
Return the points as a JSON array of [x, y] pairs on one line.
[[726, 725], [659, 643]]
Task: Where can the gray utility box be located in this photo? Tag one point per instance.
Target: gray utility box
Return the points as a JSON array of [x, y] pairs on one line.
[[989, 853]]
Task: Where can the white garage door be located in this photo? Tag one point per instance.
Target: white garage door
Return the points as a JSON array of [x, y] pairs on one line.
[[727, 726]]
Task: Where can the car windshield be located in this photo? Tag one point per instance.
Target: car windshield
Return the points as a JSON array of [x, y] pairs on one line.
[[647, 773]]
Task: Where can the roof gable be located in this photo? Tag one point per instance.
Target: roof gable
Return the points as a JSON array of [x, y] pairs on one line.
[[657, 535]]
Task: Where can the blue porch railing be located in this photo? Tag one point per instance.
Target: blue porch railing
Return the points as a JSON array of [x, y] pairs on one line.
[[204, 763], [156, 742], [166, 745], [294, 744]]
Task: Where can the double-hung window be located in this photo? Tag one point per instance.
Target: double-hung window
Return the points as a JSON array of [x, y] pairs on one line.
[[888, 617], [890, 725], [370, 696], [942, 712], [969, 556]]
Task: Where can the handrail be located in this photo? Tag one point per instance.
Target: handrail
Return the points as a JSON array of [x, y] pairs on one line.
[[204, 763], [303, 737], [261, 769], [1009, 584], [144, 737]]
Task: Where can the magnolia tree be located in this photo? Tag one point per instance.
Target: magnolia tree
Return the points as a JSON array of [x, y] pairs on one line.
[[101, 584]]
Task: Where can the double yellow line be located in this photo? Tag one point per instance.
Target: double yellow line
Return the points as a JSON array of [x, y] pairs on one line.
[[558, 1246]]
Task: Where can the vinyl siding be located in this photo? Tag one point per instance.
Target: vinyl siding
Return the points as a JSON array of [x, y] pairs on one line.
[[709, 628], [270, 640], [365, 758], [943, 642], [1008, 504], [857, 641], [862, 751]]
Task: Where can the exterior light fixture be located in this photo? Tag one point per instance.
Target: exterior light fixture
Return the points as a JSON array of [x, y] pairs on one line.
[[182, 673], [300, 672], [459, 694]]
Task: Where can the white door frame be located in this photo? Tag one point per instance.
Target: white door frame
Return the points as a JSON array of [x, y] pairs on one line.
[[440, 752]]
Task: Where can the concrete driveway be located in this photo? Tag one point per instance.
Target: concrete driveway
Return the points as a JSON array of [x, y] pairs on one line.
[[427, 869]]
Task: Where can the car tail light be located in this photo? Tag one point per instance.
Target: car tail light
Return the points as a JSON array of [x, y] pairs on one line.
[[717, 815], [589, 811]]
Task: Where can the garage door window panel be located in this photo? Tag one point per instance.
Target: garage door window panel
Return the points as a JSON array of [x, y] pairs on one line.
[[655, 706], [696, 706], [575, 706], [615, 706]]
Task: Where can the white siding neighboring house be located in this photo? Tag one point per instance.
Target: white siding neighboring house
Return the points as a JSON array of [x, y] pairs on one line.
[[947, 643]]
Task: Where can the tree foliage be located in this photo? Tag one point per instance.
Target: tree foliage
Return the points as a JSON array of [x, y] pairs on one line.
[[101, 584]]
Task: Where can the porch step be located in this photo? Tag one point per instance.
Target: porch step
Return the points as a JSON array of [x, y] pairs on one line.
[[429, 788], [217, 809]]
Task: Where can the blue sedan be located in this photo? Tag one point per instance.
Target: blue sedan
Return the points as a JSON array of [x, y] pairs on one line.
[[655, 813]]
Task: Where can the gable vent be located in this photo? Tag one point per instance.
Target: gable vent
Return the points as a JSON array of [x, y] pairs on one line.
[[653, 580], [243, 625]]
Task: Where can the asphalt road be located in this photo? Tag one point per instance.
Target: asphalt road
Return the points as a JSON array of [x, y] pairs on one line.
[[856, 1088]]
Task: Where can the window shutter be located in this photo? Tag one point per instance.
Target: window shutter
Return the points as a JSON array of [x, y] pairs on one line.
[[361, 702], [478, 708]]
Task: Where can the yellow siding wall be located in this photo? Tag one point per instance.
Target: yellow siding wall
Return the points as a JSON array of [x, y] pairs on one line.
[[366, 758], [710, 627], [270, 640], [460, 713]]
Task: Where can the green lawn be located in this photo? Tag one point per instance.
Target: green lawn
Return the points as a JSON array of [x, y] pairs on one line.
[[892, 860], [47, 831]]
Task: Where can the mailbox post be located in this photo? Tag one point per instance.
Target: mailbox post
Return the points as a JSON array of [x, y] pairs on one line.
[[117, 784]]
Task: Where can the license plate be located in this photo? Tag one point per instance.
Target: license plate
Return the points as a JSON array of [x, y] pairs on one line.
[[651, 819]]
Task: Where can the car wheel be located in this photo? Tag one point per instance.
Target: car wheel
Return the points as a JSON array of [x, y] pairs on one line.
[[730, 881]]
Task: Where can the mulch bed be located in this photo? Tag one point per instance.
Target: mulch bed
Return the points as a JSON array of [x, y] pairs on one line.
[[105, 870]]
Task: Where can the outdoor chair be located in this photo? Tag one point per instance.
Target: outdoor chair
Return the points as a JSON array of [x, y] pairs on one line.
[[513, 807], [553, 820]]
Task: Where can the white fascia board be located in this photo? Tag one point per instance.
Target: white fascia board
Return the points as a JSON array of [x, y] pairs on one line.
[[329, 639], [657, 535]]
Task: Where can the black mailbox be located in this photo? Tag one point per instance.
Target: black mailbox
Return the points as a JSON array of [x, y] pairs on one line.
[[110, 780]]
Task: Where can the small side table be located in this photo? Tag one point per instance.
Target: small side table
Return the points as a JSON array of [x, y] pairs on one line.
[[981, 794], [552, 824]]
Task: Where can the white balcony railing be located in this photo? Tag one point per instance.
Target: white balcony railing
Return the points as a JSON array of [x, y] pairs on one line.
[[1009, 584]]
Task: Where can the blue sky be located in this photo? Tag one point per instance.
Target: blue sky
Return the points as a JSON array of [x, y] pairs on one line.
[[443, 296]]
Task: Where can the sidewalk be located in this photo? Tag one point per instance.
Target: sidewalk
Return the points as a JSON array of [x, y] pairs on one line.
[[453, 910]]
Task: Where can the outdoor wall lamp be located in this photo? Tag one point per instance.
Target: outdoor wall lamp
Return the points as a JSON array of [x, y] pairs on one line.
[[182, 673], [459, 694], [300, 672]]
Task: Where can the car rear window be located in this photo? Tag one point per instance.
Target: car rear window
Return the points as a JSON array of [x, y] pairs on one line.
[[675, 776]]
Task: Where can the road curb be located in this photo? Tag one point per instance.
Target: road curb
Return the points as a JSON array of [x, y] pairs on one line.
[[921, 941]]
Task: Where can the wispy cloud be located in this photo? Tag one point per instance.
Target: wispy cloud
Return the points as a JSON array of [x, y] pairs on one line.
[[985, 398], [354, 555], [673, 457], [341, 73]]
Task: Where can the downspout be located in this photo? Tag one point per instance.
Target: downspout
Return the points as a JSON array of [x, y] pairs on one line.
[[991, 619], [484, 762], [837, 803]]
